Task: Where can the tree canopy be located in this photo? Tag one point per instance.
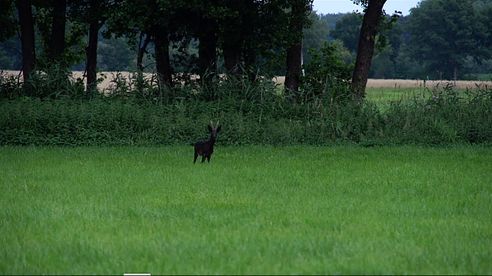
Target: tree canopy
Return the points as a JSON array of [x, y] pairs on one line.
[[438, 39], [443, 34]]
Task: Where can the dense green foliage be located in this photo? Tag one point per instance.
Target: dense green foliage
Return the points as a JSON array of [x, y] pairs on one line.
[[7, 20], [252, 210], [251, 113], [249, 34], [437, 40], [347, 30], [327, 72], [446, 34], [315, 36], [458, 30]]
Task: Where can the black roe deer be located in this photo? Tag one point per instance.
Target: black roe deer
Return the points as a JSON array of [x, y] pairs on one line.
[[206, 148]]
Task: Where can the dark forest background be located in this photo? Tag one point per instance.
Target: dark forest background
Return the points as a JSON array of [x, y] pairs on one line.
[[437, 40]]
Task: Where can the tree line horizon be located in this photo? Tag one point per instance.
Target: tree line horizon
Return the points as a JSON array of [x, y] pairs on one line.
[[242, 38]]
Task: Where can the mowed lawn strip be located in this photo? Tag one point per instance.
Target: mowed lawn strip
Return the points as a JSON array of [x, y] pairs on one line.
[[253, 209]]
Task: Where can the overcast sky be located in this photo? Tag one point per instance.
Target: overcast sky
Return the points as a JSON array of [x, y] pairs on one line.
[[343, 6]]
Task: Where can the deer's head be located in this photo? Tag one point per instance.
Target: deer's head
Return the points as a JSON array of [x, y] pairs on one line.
[[213, 129]]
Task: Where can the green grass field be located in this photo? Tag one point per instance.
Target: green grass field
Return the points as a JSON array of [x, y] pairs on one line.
[[384, 96], [253, 209]]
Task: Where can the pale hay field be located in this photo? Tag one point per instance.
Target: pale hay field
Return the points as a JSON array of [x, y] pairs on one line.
[[108, 81], [399, 83]]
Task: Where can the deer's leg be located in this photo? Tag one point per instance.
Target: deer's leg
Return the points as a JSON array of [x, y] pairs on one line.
[[194, 159], [208, 158], [203, 158]]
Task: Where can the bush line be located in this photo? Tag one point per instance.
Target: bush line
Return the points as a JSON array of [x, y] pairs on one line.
[[446, 118]]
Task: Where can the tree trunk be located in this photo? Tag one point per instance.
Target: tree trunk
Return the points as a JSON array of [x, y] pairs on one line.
[[163, 64], [27, 38], [232, 45], [249, 55], [142, 49], [207, 54], [232, 58], [365, 49], [91, 55], [294, 67], [294, 50], [57, 39]]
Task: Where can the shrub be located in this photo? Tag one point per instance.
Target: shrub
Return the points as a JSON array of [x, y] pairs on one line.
[[9, 86], [327, 73], [250, 113]]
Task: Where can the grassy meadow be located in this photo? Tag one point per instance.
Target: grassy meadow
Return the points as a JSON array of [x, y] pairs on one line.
[[253, 209], [383, 96]]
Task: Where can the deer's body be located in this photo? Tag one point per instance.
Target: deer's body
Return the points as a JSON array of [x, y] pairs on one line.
[[206, 148]]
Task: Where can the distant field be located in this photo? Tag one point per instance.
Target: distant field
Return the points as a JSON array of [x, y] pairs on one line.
[[252, 210], [385, 95], [396, 83], [108, 78]]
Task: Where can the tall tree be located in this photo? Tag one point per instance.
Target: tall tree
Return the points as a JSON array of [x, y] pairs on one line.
[[445, 34], [297, 21], [160, 29], [205, 28], [250, 32], [27, 38], [234, 28], [207, 51], [96, 20], [91, 13], [152, 22], [96, 14], [162, 60], [57, 38], [365, 50]]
